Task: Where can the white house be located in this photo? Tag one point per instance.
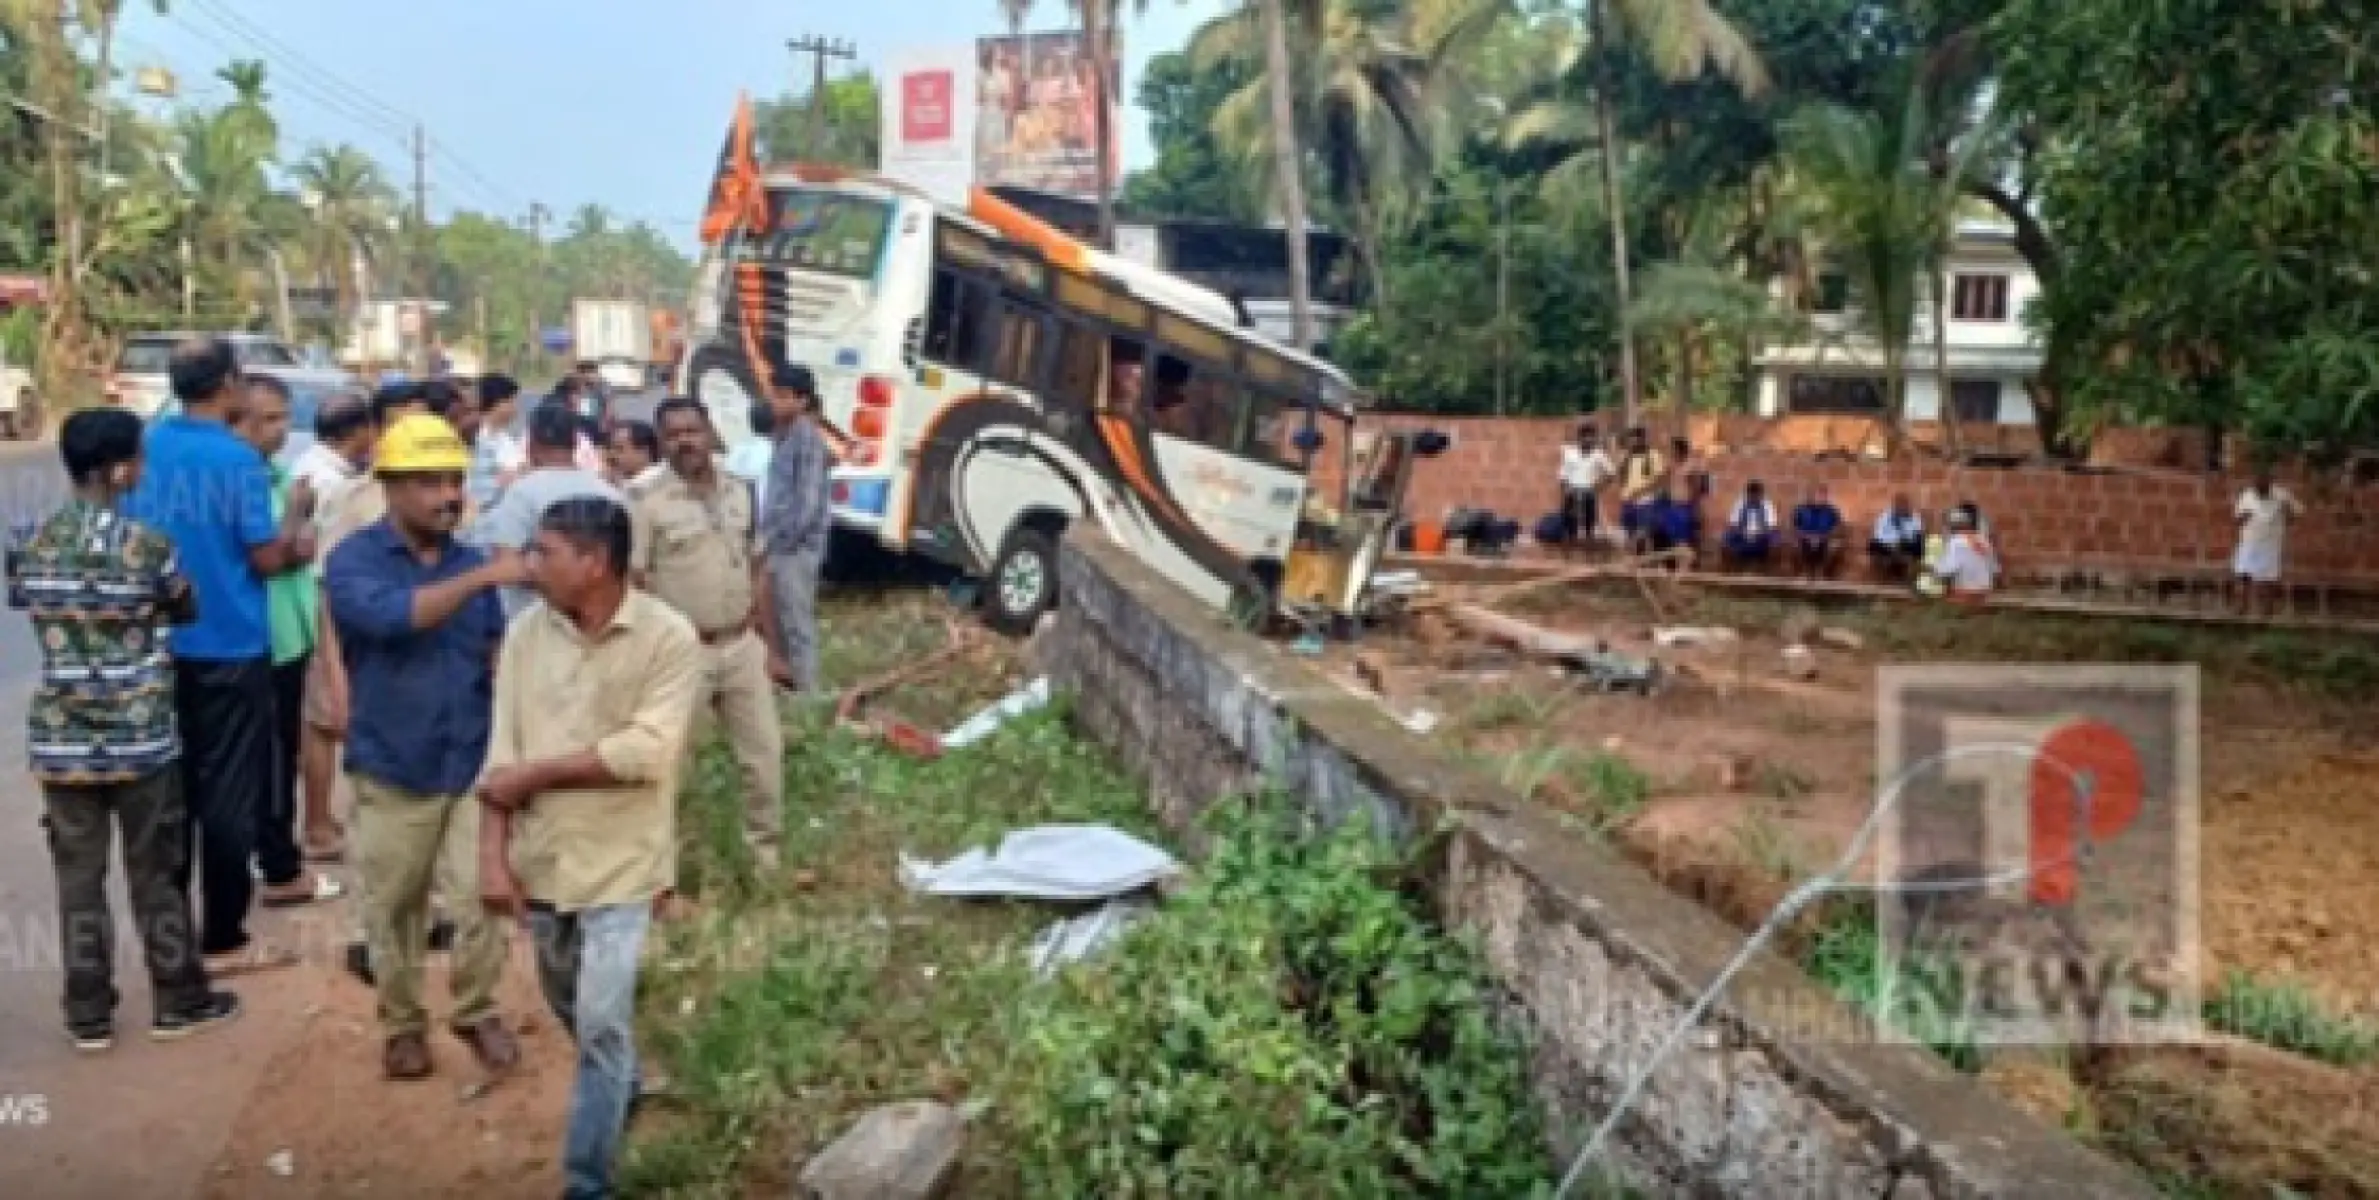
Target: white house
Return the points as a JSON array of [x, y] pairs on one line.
[[1840, 371]]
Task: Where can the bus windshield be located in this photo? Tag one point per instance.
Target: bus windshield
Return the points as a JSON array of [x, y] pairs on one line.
[[829, 232]]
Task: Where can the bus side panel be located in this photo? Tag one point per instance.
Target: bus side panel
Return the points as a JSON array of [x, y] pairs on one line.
[[1247, 505], [990, 462]]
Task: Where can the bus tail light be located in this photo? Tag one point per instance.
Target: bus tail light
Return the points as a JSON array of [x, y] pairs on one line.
[[872, 423]]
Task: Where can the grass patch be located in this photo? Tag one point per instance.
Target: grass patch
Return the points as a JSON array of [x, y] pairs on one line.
[[1847, 955], [1290, 1025], [2286, 1015], [792, 1005]]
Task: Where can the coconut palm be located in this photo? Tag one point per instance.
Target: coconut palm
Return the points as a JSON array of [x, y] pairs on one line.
[[1377, 102], [1681, 39], [349, 201], [1881, 192]]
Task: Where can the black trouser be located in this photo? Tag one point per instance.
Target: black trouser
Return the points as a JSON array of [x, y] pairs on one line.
[[1577, 512], [82, 821], [277, 853], [226, 709]]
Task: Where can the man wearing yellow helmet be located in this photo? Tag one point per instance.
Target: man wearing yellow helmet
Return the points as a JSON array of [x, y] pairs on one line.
[[418, 627]]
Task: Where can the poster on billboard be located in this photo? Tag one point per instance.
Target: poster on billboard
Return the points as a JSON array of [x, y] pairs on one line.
[[929, 127], [1037, 113]]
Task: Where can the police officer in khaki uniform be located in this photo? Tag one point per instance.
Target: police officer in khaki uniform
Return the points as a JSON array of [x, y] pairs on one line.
[[694, 549]]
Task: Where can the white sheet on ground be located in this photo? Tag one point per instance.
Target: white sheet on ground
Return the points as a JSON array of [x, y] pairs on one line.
[[1077, 938], [1046, 862], [1019, 702]]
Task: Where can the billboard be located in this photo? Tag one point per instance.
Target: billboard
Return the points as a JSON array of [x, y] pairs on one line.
[[929, 125], [1036, 121]]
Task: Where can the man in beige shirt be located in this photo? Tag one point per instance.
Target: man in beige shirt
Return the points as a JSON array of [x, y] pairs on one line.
[[695, 550], [595, 690]]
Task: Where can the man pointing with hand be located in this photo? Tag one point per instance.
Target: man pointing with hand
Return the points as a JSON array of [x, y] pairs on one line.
[[418, 627]]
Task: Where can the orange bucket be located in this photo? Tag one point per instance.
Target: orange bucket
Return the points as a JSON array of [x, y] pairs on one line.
[[1429, 537]]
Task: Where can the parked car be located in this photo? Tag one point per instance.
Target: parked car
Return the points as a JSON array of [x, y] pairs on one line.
[[139, 382], [306, 399], [20, 405]]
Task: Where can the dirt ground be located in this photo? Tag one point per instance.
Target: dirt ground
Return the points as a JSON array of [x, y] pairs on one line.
[[1756, 780], [345, 1131]]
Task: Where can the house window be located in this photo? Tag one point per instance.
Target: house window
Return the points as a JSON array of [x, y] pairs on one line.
[[1978, 298], [1975, 401], [1835, 395], [1832, 294]]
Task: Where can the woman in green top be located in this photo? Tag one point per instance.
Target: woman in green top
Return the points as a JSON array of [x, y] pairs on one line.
[[290, 598]]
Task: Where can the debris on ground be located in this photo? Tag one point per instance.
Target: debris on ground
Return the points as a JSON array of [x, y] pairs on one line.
[[903, 1151], [1800, 626], [1047, 862], [1800, 663], [1078, 937], [282, 1163], [1680, 637], [1607, 671], [1025, 699], [1841, 639]]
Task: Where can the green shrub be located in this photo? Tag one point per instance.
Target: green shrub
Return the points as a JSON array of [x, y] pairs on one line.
[[1288, 1025]]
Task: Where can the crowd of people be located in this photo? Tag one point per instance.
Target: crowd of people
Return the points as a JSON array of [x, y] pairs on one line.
[[1660, 500], [506, 643]]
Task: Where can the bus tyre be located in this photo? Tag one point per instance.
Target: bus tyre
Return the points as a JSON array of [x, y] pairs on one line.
[[1023, 582]]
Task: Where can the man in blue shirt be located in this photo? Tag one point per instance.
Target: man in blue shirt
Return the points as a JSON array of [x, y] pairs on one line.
[[211, 494], [419, 626], [1817, 533]]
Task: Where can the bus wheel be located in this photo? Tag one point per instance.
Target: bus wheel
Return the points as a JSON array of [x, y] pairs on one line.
[[1023, 582]]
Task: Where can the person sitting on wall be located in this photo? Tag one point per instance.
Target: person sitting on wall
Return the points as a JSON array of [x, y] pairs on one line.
[[1640, 476], [1751, 531], [1817, 533], [1967, 568], [1680, 510], [1898, 546]]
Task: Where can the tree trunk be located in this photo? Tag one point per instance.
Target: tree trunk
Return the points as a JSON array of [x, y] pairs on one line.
[[1687, 362], [1895, 405], [1607, 130], [1095, 25], [1287, 164]]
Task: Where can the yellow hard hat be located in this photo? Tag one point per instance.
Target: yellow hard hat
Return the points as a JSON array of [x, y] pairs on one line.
[[419, 443]]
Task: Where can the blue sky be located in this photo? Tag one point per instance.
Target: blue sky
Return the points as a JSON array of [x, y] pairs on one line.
[[563, 102]]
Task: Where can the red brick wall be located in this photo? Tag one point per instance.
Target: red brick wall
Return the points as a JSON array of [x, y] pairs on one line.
[[2043, 516]]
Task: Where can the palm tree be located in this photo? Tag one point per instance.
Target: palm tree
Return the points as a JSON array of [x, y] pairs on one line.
[[1882, 191], [1681, 39], [1099, 19], [349, 200], [1375, 110]]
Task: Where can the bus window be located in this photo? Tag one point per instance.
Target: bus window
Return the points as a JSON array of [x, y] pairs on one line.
[[1127, 381], [1080, 358], [1270, 419], [954, 322], [1017, 360], [1190, 403]]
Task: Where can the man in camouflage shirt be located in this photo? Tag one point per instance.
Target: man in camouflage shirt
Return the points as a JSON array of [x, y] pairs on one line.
[[101, 590]]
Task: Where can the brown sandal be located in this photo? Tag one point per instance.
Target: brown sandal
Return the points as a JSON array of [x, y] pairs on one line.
[[406, 1056], [497, 1050]]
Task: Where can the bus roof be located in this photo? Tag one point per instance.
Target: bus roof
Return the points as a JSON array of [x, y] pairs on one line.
[[993, 218]]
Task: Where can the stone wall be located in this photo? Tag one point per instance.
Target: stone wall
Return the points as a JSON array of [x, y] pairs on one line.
[[1774, 1094], [2148, 517]]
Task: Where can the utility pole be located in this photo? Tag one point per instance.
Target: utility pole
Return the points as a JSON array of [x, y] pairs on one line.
[[820, 49], [537, 214], [423, 257]]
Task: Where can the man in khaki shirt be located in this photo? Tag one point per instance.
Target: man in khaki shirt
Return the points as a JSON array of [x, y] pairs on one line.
[[595, 690], [694, 550]]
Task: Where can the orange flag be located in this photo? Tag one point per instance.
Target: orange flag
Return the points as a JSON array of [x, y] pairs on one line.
[[738, 199]]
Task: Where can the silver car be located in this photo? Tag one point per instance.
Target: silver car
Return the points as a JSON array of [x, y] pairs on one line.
[[140, 383]]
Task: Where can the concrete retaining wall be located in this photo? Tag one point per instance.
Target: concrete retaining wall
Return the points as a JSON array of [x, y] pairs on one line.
[[1774, 1095]]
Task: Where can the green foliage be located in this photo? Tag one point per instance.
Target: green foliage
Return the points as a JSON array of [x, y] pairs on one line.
[[2208, 172], [1191, 177], [1288, 1024], [1919, 999], [852, 130], [2285, 1014]]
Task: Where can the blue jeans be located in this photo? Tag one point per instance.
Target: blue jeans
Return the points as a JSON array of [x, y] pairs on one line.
[[586, 966]]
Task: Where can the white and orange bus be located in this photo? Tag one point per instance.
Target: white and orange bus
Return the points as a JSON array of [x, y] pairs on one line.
[[996, 381]]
